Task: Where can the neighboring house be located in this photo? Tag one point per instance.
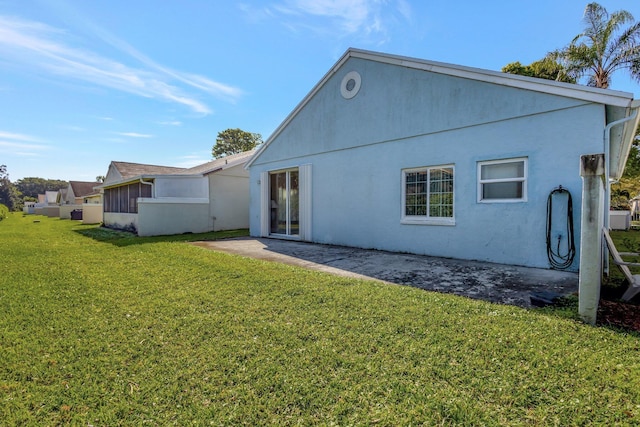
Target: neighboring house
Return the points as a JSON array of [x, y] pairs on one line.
[[403, 154], [79, 191], [47, 204], [61, 198], [154, 200], [29, 208], [73, 197], [92, 207]]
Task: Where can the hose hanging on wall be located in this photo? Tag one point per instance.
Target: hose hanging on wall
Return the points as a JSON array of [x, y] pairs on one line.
[[557, 259]]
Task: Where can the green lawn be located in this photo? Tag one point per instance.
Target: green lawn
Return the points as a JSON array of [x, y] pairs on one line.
[[625, 241], [101, 328]]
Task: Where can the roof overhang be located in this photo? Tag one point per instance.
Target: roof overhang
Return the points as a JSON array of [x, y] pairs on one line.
[[125, 181], [226, 162], [144, 178], [621, 139]]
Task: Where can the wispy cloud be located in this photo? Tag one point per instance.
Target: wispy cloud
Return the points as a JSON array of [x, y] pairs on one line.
[[134, 134], [171, 123], [365, 18], [20, 144], [18, 137], [72, 128], [202, 83], [39, 46]]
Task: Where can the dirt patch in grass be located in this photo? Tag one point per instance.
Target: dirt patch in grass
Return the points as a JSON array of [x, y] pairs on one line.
[[614, 312], [619, 314]]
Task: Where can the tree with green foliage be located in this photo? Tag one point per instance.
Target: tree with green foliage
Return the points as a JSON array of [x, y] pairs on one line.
[[628, 186], [609, 43], [234, 141], [31, 187], [9, 195], [632, 168], [546, 68]]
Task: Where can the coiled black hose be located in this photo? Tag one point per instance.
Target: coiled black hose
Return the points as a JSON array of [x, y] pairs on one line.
[[557, 259]]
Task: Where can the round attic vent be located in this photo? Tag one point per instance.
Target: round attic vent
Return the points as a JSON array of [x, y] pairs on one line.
[[350, 85]]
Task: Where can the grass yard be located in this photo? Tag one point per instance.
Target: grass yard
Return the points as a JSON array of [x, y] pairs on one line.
[[625, 241], [101, 328]]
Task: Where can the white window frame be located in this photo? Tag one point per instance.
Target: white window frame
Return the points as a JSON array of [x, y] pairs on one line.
[[426, 219], [522, 179]]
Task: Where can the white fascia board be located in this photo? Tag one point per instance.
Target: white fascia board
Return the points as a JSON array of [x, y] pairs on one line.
[[127, 181], [230, 164], [569, 90], [118, 183], [138, 178], [209, 172]]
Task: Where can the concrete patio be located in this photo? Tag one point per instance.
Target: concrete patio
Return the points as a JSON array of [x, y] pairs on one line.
[[504, 284]]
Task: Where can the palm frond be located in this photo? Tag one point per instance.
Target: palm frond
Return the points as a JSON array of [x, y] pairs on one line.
[[608, 43]]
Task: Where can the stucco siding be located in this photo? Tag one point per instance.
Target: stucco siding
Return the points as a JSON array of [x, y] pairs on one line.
[[177, 186], [229, 197], [122, 221], [172, 216], [112, 175], [51, 211], [404, 118], [91, 213], [65, 210], [395, 103]]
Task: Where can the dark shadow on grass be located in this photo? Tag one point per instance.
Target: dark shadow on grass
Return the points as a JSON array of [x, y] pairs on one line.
[[125, 238]]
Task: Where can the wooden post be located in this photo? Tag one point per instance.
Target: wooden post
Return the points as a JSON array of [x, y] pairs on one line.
[[592, 171]]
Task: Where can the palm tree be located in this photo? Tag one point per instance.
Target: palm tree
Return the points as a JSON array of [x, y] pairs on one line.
[[608, 43]]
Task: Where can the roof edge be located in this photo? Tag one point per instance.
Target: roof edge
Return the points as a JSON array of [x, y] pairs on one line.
[[572, 90], [586, 93], [300, 105], [230, 161], [138, 178]]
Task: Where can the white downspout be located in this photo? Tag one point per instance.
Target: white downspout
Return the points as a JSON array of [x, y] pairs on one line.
[[607, 150], [153, 188]]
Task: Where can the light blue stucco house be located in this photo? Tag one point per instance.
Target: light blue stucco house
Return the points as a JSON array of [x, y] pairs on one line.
[[402, 154]]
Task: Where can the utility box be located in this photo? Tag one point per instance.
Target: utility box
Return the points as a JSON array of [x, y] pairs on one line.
[[619, 220], [76, 214]]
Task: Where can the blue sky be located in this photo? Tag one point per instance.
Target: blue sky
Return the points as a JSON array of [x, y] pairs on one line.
[[83, 83]]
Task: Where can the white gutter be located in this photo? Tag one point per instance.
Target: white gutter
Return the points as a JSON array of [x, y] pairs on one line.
[[153, 188], [607, 166]]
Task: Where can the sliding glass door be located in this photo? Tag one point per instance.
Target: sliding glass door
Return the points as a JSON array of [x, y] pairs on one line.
[[284, 203]]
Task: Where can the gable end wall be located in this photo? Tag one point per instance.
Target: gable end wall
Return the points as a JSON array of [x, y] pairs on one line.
[[406, 118]]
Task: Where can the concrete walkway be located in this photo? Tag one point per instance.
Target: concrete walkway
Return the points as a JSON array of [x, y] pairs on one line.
[[504, 284]]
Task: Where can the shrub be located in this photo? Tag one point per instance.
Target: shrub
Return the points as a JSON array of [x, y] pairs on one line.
[[4, 211]]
